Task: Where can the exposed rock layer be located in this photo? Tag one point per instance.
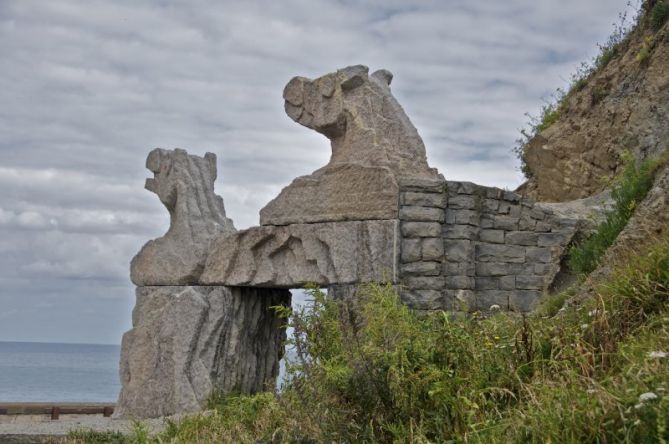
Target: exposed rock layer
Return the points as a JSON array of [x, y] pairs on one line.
[[187, 341], [624, 106]]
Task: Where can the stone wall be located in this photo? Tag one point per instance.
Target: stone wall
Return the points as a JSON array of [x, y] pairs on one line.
[[469, 247]]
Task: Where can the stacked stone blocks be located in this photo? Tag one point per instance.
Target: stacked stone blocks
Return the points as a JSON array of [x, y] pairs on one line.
[[501, 249], [422, 204], [497, 248]]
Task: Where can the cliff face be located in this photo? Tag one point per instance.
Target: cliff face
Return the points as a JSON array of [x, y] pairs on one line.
[[622, 106]]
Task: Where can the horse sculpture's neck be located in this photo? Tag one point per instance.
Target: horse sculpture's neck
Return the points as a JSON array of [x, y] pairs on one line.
[[378, 132]]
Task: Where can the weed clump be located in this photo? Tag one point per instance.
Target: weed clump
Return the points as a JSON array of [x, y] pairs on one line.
[[627, 191], [659, 15]]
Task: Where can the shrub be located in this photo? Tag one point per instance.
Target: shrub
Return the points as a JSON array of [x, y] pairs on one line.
[[374, 371], [643, 56], [659, 15], [627, 191]]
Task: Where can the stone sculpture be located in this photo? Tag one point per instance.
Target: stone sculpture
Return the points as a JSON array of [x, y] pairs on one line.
[[188, 341], [376, 212], [300, 254], [373, 144], [185, 185]]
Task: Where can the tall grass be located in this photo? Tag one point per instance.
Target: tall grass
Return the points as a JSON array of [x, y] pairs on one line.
[[627, 190]]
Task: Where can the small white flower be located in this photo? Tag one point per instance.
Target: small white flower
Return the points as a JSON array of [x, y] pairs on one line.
[[495, 307], [648, 396], [584, 326], [657, 354], [593, 312]]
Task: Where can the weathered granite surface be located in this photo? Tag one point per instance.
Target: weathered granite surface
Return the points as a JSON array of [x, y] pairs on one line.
[[469, 247], [185, 185], [373, 144], [187, 341], [295, 255]]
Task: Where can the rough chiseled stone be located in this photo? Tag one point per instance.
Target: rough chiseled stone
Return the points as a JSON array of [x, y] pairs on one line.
[[411, 250], [185, 185], [437, 200], [500, 253], [554, 239], [295, 255], [538, 254], [426, 214], [188, 340], [525, 282], [422, 299], [460, 282], [527, 238], [432, 249], [505, 223], [492, 236], [458, 250], [466, 217], [374, 144], [461, 232], [425, 282], [421, 268], [421, 229], [463, 202], [486, 283]]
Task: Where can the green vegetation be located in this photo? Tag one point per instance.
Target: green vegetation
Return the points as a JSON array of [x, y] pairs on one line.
[[643, 56], [627, 191], [140, 435], [374, 371], [85, 436], [659, 14]]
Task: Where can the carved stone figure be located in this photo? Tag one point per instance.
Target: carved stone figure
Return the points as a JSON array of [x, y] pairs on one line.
[[373, 144], [299, 254], [188, 341], [185, 185]]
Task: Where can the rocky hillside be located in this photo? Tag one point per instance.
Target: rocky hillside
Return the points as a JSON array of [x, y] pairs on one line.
[[619, 103]]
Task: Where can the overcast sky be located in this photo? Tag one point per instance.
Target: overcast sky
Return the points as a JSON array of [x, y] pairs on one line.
[[89, 87]]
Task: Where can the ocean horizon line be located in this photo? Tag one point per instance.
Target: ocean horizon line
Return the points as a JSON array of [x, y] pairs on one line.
[[2, 341]]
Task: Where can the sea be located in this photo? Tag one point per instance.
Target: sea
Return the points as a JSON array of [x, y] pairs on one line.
[[48, 372]]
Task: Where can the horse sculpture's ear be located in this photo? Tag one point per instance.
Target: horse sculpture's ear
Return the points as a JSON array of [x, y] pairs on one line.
[[352, 76], [384, 75]]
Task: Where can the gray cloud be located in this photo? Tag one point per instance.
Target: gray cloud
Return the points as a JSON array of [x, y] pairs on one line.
[[89, 87]]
